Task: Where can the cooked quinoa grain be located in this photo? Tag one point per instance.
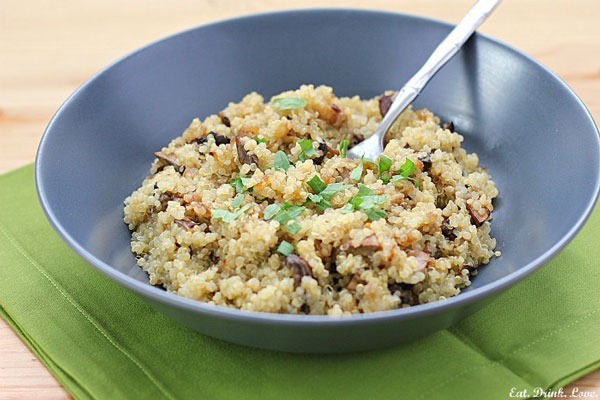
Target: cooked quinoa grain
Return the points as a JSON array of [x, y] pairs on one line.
[[258, 208]]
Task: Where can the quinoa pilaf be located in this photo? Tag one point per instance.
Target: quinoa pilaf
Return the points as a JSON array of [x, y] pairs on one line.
[[258, 208]]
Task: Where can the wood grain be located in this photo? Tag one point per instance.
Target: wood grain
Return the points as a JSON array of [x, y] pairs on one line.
[[49, 49]]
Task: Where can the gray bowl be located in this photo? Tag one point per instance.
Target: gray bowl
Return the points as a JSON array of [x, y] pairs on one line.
[[536, 137]]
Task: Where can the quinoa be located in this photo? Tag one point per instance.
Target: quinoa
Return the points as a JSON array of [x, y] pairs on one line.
[[234, 211]]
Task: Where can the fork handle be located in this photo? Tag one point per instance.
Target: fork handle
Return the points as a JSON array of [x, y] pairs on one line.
[[440, 56]]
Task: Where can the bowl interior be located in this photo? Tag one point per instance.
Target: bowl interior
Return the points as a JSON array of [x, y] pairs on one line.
[[529, 130]]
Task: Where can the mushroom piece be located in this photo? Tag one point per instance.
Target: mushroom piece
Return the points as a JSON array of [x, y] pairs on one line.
[[219, 139], [186, 223], [356, 138], [354, 282], [422, 257], [225, 119], [449, 126], [470, 268], [369, 245], [426, 162], [199, 140], [385, 102], [447, 230], [404, 290], [323, 148], [299, 268], [164, 199], [338, 117], [478, 217], [243, 155], [305, 308], [167, 159]]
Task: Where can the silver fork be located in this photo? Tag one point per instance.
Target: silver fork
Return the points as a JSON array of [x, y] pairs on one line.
[[373, 146]]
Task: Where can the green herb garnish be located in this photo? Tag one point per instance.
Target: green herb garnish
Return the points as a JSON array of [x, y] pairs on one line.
[[228, 216], [289, 103], [306, 149], [292, 210], [405, 171], [332, 189], [284, 214], [366, 200], [281, 161], [285, 248], [407, 168], [365, 191], [283, 217], [293, 227], [370, 202], [271, 210], [260, 140], [374, 213], [348, 208], [239, 183], [343, 147], [237, 201], [384, 166], [288, 212], [316, 184], [356, 173], [323, 204], [323, 192], [315, 198]]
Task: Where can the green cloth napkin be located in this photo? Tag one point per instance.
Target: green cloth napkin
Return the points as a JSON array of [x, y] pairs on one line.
[[103, 342]]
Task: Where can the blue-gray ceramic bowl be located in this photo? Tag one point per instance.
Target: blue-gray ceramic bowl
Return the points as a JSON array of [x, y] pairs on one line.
[[535, 136]]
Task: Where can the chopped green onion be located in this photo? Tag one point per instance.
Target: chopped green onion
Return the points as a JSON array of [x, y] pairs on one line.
[[260, 140], [374, 214], [281, 161], [343, 147], [283, 218], [315, 198], [285, 248], [348, 208], [384, 165], [364, 191], [271, 210], [366, 200], [306, 149], [407, 168], [228, 216], [356, 173], [289, 103], [288, 212], [237, 201], [370, 201], [323, 205], [292, 210], [293, 227], [239, 183], [332, 189], [316, 184], [324, 192], [355, 202]]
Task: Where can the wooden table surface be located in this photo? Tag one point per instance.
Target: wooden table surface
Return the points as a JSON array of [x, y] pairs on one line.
[[48, 49]]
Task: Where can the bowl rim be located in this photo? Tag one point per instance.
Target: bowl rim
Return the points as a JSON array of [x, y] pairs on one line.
[[158, 295]]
